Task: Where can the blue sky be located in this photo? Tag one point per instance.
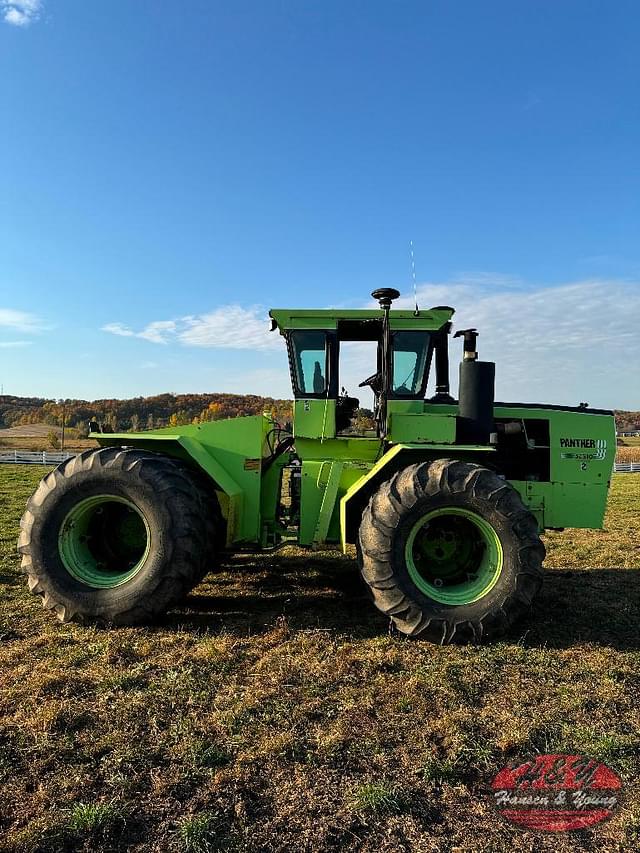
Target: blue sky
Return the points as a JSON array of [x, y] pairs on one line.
[[172, 170]]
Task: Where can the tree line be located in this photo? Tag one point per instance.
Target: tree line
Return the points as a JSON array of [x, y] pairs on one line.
[[139, 413], [628, 421]]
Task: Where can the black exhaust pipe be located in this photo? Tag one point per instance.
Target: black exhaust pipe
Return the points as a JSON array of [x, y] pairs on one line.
[[476, 394], [442, 394]]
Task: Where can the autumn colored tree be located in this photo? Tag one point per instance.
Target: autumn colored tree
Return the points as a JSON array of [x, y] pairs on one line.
[[152, 412]]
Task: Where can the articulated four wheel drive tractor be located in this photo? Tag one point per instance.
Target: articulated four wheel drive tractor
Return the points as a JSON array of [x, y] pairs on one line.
[[444, 500]]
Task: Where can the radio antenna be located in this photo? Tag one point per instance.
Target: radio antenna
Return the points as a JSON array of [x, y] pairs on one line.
[[413, 276]]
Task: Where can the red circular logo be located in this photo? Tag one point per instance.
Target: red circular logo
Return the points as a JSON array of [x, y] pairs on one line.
[[557, 793]]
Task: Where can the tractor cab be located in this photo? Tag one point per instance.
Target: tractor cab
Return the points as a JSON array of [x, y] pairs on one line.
[[393, 350]]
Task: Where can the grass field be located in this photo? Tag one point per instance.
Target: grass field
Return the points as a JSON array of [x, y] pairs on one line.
[[275, 711], [629, 451], [35, 442]]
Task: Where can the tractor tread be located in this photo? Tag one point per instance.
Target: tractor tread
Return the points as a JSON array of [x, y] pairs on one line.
[[417, 616], [190, 544]]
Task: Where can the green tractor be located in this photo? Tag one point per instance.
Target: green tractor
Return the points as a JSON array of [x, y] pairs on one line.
[[444, 500]]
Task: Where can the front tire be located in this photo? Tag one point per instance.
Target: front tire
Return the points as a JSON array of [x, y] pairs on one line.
[[450, 552], [115, 536]]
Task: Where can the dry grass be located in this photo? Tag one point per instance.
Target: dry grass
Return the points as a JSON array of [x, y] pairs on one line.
[[628, 454], [274, 711], [30, 431], [73, 445]]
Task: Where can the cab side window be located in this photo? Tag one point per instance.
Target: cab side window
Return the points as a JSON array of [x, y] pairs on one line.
[[309, 350], [411, 355]]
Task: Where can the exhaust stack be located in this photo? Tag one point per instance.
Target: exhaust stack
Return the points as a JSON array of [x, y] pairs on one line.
[[476, 393]]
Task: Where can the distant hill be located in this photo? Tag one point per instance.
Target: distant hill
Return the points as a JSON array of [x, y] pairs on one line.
[[138, 413]]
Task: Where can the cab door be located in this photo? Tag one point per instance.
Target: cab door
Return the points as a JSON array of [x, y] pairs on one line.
[[314, 377]]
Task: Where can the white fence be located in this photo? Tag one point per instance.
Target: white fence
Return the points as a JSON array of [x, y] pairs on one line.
[[34, 457], [43, 457], [627, 467]]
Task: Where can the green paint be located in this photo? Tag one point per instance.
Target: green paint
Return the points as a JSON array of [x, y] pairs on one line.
[[453, 556], [287, 318], [230, 452], [104, 541], [315, 418], [415, 428], [345, 448], [329, 503]]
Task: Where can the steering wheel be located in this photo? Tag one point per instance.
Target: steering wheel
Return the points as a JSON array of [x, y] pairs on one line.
[[368, 380]]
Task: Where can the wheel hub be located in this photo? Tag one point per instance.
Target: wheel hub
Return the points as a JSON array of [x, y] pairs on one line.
[[453, 555], [104, 541]]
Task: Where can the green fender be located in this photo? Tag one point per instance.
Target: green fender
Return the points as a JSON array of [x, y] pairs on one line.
[[355, 499], [188, 449]]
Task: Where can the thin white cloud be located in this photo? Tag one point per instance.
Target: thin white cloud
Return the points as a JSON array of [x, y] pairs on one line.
[[159, 332], [11, 344], [20, 321], [227, 327], [119, 329], [20, 13]]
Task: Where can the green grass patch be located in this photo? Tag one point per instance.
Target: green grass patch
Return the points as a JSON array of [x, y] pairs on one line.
[[94, 818], [198, 834], [375, 798]]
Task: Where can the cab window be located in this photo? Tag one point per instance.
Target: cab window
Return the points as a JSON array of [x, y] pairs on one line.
[[411, 356], [309, 363]]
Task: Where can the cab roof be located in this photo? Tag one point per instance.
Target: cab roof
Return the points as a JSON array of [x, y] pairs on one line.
[[299, 318]]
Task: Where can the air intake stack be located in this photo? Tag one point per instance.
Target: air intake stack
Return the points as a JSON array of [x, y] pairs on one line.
[[476, 393]]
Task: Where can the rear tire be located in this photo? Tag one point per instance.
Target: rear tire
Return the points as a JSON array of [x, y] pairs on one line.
[[115, 536], [215, 527], [450, 552]]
